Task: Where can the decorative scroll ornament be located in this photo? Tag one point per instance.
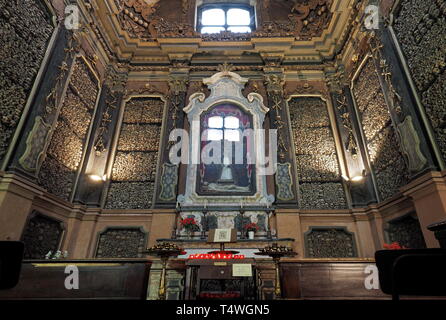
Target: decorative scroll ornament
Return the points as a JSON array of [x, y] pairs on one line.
[[351, 144], [146, 8], [106, 119], [116, 83], [410, 145], [33, 156], [36, 141], [274, 85], [178, 88], [408, 136]]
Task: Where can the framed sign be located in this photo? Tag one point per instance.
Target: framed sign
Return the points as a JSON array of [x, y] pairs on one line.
[[222, 235], [242, 270]]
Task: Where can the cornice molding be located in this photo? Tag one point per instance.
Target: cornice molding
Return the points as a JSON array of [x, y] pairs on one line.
[[314, 50]]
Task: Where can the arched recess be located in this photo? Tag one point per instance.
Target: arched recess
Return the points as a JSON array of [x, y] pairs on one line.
[[121, 242], [226, 89], [318, 158], [132, 174], [41, 235], [25, 76], [383, 152]]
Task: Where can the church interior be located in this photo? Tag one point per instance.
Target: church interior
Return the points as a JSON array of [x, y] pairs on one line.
[[211, 149]]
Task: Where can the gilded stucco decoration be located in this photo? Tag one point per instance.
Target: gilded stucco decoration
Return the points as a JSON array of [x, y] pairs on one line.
[[408, 137], [115, 83], [140, 19], [382, 141], [37, 140], [67, 145], [301, 20], [305, 19], [351, 144]]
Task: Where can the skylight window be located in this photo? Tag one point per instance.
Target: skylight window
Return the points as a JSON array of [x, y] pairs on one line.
[[220, 17]]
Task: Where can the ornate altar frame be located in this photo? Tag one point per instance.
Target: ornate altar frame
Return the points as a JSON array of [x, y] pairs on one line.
[[226, 87]]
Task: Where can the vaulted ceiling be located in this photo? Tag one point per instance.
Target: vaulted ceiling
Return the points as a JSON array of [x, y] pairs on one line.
[[162, 32]]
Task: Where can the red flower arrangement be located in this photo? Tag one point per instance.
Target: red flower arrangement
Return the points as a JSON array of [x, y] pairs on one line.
[[251, 227], [188, 223], [394, 246]]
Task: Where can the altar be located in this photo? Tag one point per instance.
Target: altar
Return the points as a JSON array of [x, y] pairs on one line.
[[215, 279]]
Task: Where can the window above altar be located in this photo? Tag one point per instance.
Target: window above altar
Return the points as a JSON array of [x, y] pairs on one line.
[[223, 128], [217, 17]]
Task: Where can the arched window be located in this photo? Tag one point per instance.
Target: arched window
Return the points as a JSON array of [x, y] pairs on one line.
[[214, 18]]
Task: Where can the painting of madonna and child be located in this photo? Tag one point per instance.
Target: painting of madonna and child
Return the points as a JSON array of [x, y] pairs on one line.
[[227, 166]]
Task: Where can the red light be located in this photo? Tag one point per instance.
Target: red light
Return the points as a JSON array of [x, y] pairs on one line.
[[208, 256]]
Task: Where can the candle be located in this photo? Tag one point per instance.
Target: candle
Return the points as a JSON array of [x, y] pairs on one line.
[[241, 204], [178, 204]]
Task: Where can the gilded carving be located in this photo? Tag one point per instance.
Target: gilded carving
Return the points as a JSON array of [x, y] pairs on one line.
[[381, 138], [408, 136], [38, 136], [351, 144], [274, 85], [65, 150], [306, 20], [37, 139], [140, 19], [177, 91], [116, 85]]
